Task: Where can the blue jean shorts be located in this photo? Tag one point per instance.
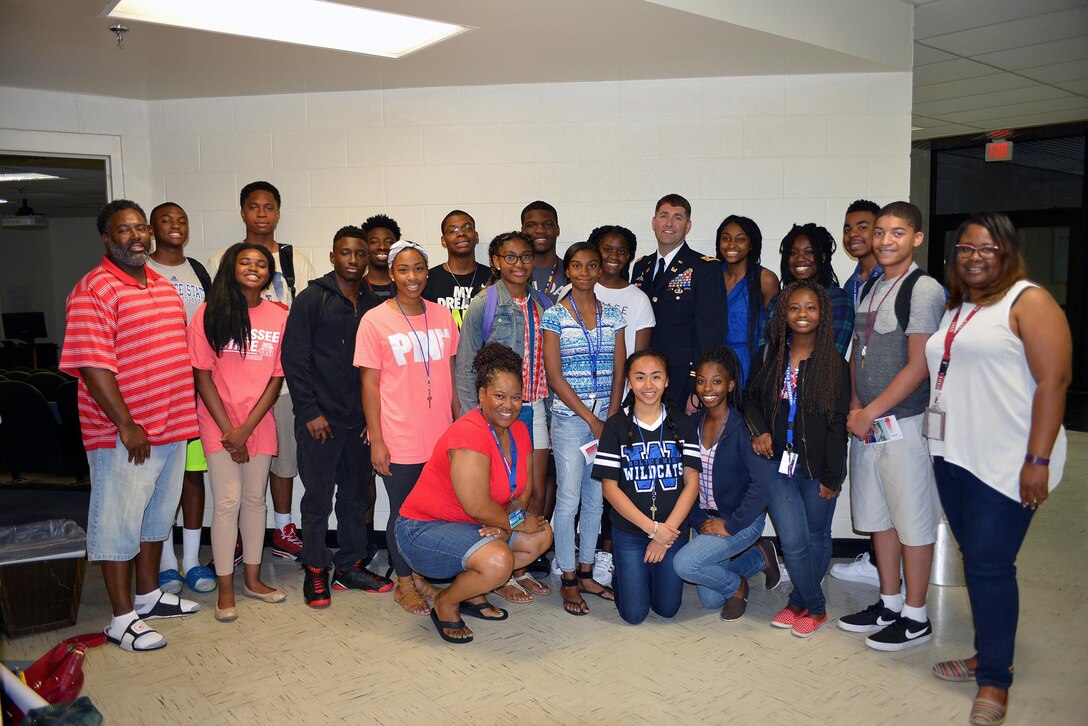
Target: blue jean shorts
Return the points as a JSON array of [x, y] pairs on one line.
[[440, 549], [132, 504]]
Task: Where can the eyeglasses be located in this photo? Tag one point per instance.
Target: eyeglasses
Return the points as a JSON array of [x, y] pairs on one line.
[[965, 252], [511, 258], [466, 227]]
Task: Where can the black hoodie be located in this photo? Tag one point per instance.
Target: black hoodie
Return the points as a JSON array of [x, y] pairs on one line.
[[319, 350]]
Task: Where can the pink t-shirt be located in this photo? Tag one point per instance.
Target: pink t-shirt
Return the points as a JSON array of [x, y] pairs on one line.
[[241, 381], [402, 352]]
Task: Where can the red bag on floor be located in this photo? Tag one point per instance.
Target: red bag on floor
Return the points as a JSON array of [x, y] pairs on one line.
[[58, 675]]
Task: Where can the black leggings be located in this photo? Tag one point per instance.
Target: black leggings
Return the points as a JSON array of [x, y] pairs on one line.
[[398, 486]]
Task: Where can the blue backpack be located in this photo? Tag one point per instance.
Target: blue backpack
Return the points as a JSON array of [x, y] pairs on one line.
[[492, 302]]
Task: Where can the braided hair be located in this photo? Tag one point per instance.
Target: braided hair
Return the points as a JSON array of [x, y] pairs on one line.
[[226, 312], [599, 233], [491, 360], [629, 401], [727, 358], [823, 244], [752, 269], [822, 377]]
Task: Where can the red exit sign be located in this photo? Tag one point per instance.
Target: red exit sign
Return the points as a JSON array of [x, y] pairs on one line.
[[999, 151]]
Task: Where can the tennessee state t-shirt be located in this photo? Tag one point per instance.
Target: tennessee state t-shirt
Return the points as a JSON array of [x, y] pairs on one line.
[[644, 459], [433, 499], [406, 351], [241, 381]]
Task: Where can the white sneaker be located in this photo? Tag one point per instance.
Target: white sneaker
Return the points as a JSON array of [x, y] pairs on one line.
[[555, 567], [784, 571], [603, 567], [861, 569]]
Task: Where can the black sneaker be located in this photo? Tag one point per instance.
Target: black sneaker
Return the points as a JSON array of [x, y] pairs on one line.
[[540, 568], [873, 618], [902, 634], [315, 587], [358, 577]]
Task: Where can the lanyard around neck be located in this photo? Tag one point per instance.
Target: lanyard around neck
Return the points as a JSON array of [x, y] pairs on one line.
[[594, 354], [512, 465]]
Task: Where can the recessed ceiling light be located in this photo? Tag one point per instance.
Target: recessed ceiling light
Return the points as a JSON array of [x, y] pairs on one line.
[[23, 176], [3, 201], [304, 22]]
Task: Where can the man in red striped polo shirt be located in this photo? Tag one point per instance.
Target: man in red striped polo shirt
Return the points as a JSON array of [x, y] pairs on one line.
[[125, 339]]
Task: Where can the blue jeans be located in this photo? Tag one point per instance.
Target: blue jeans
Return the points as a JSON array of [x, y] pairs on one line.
[[708, 561], [573, 487], [803, 523], [437, 548], [640, 586], [989, 528]]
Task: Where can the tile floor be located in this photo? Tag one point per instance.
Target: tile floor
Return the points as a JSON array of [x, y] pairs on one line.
[[365, 661]]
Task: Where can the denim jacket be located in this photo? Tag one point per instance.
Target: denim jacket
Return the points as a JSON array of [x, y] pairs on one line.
[[507, 327]]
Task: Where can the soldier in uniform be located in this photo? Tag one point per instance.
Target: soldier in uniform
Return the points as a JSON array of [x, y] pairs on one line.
[[688, 295]]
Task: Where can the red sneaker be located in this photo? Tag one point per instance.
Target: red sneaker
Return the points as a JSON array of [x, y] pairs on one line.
[[786, 618], [808, 624], [286, 543]]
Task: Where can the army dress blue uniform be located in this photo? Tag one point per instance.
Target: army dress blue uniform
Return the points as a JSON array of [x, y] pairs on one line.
[[689, 302]]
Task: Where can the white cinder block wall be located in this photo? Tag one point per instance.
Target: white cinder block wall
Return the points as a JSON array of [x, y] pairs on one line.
[[779, 149]]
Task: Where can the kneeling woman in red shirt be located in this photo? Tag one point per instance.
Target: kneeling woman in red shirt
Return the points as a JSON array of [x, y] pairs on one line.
[[466, 515]]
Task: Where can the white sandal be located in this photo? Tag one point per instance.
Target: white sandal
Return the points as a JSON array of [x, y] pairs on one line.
[[137, 630]]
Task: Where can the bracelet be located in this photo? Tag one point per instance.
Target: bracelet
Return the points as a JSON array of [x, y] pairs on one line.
[[1033, 459], [654, 533]]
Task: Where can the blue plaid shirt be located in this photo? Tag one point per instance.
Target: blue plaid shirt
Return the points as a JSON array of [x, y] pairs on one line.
[[854, 283]]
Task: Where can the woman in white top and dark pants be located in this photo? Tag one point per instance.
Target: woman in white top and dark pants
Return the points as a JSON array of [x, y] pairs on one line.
[[999, 367]]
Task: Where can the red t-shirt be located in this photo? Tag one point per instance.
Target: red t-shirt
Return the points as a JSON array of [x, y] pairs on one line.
[[138, 333], [433, 498]]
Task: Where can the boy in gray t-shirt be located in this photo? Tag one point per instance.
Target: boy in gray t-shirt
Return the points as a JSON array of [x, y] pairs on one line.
[[893, 494]]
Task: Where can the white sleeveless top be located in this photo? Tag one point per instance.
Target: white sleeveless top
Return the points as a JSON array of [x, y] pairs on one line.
[[987, 397]]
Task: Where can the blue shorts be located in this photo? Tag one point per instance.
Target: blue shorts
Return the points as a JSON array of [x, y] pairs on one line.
[[440, 549], [132, 504]]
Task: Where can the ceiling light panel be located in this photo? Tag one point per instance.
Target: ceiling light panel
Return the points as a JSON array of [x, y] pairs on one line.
[[24, 176], [303, 22]]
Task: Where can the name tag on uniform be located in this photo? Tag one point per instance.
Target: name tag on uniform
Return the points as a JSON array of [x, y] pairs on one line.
[[933, 424]]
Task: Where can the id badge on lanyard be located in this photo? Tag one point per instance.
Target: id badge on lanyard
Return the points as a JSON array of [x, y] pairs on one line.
[[933, 418], [788, 464]]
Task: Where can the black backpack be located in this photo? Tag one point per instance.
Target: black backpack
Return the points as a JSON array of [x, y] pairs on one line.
[[902, 301], [287, 267], [201, 274]]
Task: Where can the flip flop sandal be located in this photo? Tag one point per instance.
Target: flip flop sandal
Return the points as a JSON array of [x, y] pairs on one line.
[[170, 581], [605, 594], [544, 589], [162, 610], [956, 671], [130, 639], [579, 604], [443, 625], [200, 579], [476, 610], [514, 584]]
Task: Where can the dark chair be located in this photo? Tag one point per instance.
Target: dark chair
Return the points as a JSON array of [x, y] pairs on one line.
[[16, 375], [46, 382], [71, 436], [29, 434]]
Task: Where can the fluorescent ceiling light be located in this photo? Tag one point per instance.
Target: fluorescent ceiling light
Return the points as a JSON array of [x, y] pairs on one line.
[[303, 22], [3, 201], [25, 177]]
